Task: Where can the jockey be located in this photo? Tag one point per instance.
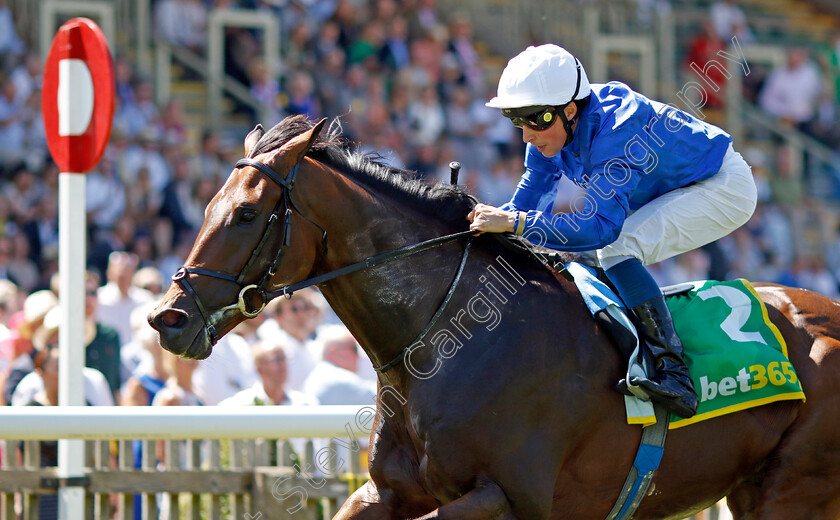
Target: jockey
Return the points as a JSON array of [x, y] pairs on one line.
[[656, 182]]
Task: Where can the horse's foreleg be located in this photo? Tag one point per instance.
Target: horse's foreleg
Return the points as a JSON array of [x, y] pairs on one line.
[[485, 502]]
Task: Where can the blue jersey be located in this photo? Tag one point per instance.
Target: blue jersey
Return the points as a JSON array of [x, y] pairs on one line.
[[626, 151]]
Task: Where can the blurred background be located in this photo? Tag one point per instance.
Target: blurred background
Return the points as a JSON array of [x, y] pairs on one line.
[[408, 80]]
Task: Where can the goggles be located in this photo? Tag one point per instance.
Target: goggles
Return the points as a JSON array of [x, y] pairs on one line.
[[537, 118]]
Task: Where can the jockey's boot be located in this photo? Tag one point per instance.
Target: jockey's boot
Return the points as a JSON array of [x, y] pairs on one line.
[[670, 384]]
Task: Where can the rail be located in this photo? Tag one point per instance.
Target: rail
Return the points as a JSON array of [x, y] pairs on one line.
[[197, 462]]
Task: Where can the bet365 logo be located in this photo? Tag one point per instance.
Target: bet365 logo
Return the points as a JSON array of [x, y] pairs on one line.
[[756, 377]]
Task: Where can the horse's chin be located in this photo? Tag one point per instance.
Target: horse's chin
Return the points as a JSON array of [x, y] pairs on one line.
[[199, 348]]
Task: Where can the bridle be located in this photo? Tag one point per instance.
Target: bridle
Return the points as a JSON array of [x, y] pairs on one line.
[[285, 207]]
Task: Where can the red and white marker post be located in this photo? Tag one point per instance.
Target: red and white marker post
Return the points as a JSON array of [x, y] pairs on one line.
[[78, 109]]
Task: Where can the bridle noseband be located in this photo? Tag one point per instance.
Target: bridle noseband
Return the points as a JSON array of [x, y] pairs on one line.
[[285, 206]]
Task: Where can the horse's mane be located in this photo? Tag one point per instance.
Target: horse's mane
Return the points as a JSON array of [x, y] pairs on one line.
[[441, 201], [449, 203]]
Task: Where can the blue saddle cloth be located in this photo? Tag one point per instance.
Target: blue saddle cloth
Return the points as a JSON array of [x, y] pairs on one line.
[[599, 297]]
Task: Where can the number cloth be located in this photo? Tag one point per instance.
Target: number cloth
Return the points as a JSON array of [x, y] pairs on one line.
[[736, 356]]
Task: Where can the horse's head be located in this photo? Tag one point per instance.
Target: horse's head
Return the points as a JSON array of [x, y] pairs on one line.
[[254, 238]]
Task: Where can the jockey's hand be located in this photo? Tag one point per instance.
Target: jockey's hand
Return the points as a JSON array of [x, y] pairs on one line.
[[491, 219]]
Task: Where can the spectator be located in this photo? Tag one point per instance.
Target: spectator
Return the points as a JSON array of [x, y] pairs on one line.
[[146, 155], [41, 231], [21, 268], [46, 367], [149, 279], [23, 325], [423, 19], [704, 48], [208, 161], [178, 390], [297, 53], [6, 250], [182, 22], [131, 119], [462, 48], [8, 225], [461, 127], [104, 196], [346, 16], [427, 117], [172, 126], [427, 55], [791, 92], [729, 20], [146, 380], [818, 278], [102, 342], [143, 202], [23, 193], [10, 43], [302, 99], [117, 298], [137, 356], [9, 303], [96, 389], [228, 370], [326, 41], [123, 77], [265, 89], [366, 48], [496, 186], [28, 77], [335, 379], [394, 53], [271, 364]]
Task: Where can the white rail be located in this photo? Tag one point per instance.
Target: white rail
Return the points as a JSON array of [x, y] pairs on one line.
[[184, 422]]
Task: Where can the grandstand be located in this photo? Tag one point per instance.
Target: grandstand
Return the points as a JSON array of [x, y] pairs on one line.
[[210, 85]]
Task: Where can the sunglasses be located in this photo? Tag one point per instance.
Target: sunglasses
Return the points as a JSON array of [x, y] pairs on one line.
[[539, 120]]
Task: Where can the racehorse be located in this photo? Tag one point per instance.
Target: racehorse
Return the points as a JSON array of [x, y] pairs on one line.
[[508, 409]]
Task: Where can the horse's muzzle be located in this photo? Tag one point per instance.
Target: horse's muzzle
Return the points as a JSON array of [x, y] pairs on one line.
[[178, 335]]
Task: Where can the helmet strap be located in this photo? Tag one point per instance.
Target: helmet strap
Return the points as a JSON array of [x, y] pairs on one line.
[[567, 124]]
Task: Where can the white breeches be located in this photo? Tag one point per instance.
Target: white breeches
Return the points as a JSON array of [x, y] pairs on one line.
[[687, 218]]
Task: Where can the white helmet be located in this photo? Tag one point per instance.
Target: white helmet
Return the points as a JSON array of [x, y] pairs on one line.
[[545, 75]]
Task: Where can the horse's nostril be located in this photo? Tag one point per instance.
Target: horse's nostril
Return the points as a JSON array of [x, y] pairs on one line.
[[169, 319]]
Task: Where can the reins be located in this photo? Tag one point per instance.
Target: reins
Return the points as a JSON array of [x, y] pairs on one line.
[[371, 261], [286, 207]]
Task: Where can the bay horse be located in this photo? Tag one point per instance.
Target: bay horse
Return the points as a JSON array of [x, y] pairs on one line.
[[509, 410]]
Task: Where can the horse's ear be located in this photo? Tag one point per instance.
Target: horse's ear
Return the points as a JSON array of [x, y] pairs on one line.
[[299, 145], [253, 138]]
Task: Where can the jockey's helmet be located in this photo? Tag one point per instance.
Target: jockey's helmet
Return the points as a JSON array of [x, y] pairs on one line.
[[546, 75]]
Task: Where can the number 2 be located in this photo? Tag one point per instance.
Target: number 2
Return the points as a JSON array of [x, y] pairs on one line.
[[740, 305]]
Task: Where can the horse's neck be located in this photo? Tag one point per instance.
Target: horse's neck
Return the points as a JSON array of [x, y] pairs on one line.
[[387, 306]]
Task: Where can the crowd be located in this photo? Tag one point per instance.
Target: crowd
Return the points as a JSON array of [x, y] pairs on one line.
[[408, 83]]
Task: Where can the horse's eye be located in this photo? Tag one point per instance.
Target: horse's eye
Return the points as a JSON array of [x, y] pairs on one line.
[[247, 216]]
